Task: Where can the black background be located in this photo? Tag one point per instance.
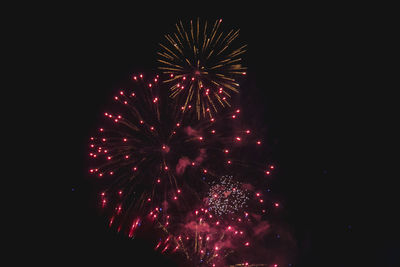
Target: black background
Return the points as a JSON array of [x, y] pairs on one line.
[[309, 80]]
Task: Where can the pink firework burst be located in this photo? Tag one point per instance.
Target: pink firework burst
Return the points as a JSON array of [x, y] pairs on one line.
[[149, 154]]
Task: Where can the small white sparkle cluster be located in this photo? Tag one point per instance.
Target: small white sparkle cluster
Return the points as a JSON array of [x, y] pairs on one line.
[[227, 196]]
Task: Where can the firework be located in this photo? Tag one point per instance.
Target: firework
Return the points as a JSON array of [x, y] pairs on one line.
[[202, 239], [202, 65], [227, 196], [224, 231], [207, 239], [151, 155]]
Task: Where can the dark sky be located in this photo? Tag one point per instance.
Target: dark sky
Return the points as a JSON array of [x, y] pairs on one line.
[[307, 79]]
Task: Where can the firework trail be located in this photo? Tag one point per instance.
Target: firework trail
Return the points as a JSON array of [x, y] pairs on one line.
[[203, 65]]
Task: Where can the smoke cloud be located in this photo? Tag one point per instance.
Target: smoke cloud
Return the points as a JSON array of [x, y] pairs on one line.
[[191, 132], [194, 226], [185, 161], [182, 164]]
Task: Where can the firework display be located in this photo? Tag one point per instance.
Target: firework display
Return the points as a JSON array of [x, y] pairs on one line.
[[169, 159], [203, 65]]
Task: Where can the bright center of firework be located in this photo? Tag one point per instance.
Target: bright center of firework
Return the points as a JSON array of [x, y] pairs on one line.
[[226, 196], [197, 72]]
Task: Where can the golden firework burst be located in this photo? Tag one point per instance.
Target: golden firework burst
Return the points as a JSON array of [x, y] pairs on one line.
[[202, 66]]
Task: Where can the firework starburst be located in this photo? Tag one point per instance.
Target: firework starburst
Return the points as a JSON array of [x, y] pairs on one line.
[[203, 65], [149, 151]]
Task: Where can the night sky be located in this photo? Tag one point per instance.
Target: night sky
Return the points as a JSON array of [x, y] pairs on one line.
[[307, 80]]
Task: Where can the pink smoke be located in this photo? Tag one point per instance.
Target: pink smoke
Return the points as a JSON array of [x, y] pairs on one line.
[[261, 228], [191, 132], [182, 164], [200, 158], [248, 187], [194, 226], [185, 161]]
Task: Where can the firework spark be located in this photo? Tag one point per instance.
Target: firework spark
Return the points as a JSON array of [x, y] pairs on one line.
[[202, 65]]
